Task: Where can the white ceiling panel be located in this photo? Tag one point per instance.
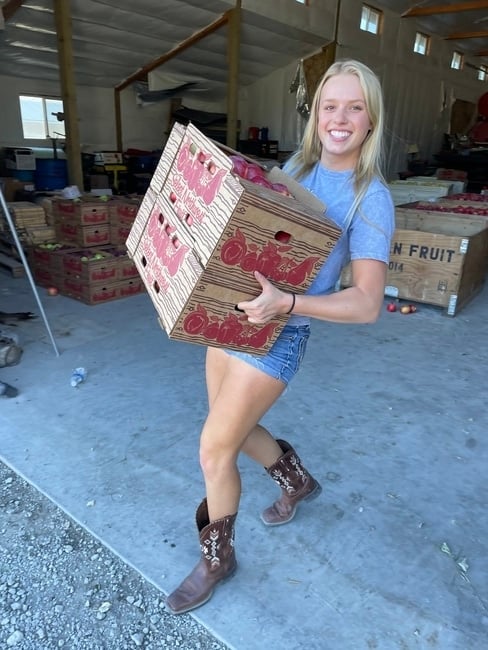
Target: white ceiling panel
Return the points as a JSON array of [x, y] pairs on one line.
[[112, 39]]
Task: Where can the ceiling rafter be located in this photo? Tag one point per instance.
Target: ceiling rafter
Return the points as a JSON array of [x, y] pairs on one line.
[[470, 5], [461, 35], [194, 38]]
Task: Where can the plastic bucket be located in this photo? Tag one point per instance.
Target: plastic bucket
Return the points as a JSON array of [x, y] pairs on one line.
[[253, 133], [51, 174]]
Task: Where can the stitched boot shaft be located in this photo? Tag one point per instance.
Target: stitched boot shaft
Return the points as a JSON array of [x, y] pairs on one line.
[[217, 562], [296, 485]]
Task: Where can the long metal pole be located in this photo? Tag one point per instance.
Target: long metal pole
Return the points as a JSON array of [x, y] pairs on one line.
[[27, 269]]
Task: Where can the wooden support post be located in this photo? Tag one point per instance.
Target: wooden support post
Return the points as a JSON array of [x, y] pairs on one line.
[[68, 91], [118, 120], [233, 55]]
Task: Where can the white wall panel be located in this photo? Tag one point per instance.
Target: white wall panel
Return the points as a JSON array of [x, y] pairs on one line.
[[418, 90], [143, 127]]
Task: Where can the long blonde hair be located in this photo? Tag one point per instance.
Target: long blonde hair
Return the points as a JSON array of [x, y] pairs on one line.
[[368, 165]]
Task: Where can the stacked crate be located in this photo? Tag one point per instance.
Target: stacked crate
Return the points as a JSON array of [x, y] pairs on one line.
[[84, 263], [419, 189], [201, 232], [438, 254], [30, 223]]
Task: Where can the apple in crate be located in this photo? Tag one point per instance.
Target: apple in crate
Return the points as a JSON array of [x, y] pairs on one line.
[[256, 174]]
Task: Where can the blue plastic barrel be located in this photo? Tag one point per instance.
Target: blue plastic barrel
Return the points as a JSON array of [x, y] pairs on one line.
[[51, 174], [23, 174]]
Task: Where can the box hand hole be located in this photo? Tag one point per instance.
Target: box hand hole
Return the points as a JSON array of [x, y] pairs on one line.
[[282, 237], [156, 286]]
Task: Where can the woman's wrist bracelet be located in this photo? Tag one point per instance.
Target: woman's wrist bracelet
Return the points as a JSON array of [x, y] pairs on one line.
[[293, 298]]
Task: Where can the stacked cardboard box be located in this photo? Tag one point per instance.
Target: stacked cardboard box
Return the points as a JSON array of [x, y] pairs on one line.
[[82, 263], [122, 213], [99, 274], [82, 222], [45, 261], [201, 232], [92, 275]]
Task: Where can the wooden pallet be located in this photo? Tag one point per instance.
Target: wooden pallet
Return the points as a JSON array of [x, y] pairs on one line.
[[12, 266], [9, 249]]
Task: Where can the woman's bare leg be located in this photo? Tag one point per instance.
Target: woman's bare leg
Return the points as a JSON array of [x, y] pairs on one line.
[[239, 395], [259, 445]]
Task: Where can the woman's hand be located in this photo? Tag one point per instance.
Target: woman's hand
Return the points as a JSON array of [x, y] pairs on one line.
[[270, 303]]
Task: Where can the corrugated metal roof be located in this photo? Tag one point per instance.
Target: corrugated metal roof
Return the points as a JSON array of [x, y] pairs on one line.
[[112, 39]]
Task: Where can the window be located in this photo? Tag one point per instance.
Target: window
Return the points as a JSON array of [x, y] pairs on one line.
[[482, 73], [370, 19], [422, 44], [42, 117], [457, 61]]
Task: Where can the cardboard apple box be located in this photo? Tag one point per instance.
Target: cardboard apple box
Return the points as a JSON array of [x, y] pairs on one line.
[[201, 232]]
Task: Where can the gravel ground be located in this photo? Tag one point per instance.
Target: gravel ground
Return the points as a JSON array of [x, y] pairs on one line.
[[60, 588]]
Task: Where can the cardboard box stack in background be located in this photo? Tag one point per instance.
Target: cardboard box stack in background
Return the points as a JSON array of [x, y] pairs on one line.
[[122, 214], [82, 222], [201, 232], [457, 177], [419, 188], [82, 262]]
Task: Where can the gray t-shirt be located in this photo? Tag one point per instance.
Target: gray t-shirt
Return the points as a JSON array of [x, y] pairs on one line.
[[368, 235]]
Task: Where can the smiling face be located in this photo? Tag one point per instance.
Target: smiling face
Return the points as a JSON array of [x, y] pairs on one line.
[[343, 121]]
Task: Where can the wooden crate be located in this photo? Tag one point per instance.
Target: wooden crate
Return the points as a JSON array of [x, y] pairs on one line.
[[435, 258]]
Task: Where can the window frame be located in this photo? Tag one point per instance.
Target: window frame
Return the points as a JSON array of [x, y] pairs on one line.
[[52, 127], [422, 36], [457, 60], [377, 13], [482, 73]]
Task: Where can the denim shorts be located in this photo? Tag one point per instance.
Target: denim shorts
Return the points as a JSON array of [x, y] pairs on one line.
[[285, 356]]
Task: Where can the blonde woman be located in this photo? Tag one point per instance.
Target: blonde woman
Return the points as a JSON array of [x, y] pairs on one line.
[[339, 161]]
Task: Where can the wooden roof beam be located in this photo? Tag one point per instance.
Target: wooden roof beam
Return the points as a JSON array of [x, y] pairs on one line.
[[10, 7], [462, 35], [481, 53], [194, 38], [469, 5]]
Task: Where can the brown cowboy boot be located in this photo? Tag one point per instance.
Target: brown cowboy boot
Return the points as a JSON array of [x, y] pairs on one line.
[[296, 485], [217, 562]]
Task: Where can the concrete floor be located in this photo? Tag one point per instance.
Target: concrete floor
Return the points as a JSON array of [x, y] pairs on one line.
[[392, 419]]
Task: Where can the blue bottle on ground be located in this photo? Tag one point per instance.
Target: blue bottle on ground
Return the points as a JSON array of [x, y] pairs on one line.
[[78, 376]]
